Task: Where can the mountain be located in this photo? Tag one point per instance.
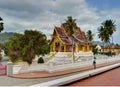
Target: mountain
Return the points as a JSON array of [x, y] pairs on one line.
[[100, 43], [4, 37]]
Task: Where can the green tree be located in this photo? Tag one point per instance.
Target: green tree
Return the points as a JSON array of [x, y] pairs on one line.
[[1, 24], [109, 25], [90, 35], [106, 30], [26, 46], [117, 44], [0, 57], [14, 47], [40, 60], [1, 28], [103, 35], [6, 47], [70, 26], [95, 51]]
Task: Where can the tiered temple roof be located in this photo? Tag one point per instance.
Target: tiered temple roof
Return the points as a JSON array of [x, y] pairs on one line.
[[78, 37]]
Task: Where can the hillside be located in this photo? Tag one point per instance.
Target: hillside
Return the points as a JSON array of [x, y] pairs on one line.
[[4, 37], [100, 43]]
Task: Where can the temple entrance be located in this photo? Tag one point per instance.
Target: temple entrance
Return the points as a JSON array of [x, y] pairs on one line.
[[62, 48], [68, 48], [57, 46]]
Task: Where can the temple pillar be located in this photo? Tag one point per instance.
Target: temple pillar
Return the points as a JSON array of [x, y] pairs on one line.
[[83, 48], [60, 49], [80, 48], [51, 48], [64, 48], [88, 48], [54, 47], [76, 47]]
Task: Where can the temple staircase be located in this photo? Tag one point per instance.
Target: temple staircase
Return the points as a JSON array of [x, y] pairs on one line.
[[49, 56]]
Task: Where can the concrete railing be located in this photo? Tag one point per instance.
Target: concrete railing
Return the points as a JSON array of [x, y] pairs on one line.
[[16, 69], [51, 67], [21, 69], [84, 53]]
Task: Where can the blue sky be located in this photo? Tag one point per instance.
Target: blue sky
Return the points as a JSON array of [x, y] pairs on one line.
[[43, 15], [108, 6], [104, 4]]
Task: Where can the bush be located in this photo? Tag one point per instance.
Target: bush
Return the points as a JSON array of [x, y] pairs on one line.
[[0, 57], [95, 51], [40, 60], [109, 53], [19, 60]]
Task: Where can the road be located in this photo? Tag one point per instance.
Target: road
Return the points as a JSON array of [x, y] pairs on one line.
[[8, 81], [4, 60], [109, 78]]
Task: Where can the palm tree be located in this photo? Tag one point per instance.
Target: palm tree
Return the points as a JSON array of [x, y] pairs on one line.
[[106, 30], [109, 25], [1, 24], [90, 35], [70, 26], [1, 28], [109, 28], [103, 34], [95, 51]]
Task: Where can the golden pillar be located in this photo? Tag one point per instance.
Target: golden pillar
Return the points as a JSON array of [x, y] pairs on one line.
[[64, 48], [88, 48]]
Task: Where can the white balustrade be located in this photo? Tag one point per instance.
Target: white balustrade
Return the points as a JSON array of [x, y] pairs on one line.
[[53, 67]]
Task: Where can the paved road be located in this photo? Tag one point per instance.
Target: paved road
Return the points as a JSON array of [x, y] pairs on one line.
[[8, 81], [110, 78], [4, 60]]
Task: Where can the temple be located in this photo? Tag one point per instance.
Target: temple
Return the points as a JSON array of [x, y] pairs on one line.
[[62, 42]]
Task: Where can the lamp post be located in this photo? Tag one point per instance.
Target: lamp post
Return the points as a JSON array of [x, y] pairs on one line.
[[73, 51]]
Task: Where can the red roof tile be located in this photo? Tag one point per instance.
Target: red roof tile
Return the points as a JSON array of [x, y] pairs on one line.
[[111, 47], [78, 36]]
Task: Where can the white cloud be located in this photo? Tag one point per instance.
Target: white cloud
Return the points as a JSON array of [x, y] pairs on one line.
[[43, 15], [114, 15]]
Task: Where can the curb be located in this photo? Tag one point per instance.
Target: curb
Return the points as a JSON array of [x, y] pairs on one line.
[[69, 79], [48, 74]]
